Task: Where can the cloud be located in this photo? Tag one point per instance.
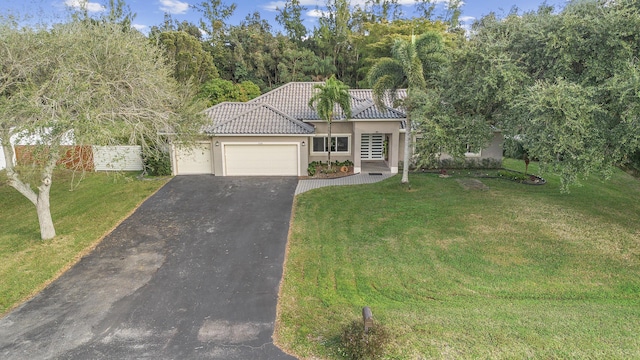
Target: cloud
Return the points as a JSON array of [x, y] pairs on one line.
[[140, 27], [174, 6], [273, 5], [315, 13], [467, 19], [83, 4]]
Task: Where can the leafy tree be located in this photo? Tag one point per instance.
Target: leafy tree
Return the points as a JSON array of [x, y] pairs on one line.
[[89, 81], [219, 90], [333, 93], [332, 39], [190, 61], [377, 39], [578, 67], [216, 13], [171, 24], [290, 17], [411, 64], [249, 90], [296, 64]]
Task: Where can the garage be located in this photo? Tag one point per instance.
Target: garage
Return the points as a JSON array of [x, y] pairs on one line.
[[193, 160], [261, 159]]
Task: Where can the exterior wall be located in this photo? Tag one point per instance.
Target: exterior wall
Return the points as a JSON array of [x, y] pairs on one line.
[[355, 129], [217, 142], [493, 151], [337, 128], [389, 128], [174, 154]]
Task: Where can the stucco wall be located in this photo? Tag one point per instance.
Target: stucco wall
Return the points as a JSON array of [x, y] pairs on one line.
[[493, 151], [216, 146], [389, 128]]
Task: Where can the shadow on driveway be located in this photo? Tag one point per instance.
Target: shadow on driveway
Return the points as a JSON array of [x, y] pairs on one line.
[[192, 274]]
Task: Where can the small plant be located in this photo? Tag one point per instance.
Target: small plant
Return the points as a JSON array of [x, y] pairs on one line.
[[356, 344], [312, 168], [512, 175]]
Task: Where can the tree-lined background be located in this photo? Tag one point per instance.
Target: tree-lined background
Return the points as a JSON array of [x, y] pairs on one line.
[[563, 85]]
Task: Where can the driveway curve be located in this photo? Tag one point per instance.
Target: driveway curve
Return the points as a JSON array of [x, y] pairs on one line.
[[191, 274]]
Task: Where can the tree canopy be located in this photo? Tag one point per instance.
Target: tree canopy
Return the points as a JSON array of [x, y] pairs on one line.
[[87, 81], [562, 84]]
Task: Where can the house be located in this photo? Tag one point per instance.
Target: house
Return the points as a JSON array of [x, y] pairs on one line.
[[278, 133]]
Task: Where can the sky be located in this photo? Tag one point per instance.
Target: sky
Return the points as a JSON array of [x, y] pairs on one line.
[[151, 12]]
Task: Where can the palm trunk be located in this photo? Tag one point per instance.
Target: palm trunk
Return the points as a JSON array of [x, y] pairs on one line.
[[407, 150], [330, 143]]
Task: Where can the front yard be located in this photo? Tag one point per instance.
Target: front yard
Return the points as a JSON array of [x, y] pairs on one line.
[[515, 271], [82, 217]]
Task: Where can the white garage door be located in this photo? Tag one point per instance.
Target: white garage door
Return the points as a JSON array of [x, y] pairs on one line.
[[194, 160], [261, 159]]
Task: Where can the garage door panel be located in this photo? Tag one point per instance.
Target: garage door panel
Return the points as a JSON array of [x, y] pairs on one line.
[[194, 160], [262, 159]]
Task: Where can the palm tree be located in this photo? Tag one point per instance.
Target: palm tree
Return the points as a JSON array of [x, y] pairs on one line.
[[331, 94], [410, 62]]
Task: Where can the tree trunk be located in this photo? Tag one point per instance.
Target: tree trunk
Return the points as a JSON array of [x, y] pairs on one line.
[[330, 143], [47, 230], [41, 199], [407, 151]]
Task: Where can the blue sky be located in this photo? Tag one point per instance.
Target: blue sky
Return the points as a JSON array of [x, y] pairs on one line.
[[151, 12]]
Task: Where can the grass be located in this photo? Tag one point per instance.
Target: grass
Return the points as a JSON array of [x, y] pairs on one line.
[[516, 271], [81, 217]]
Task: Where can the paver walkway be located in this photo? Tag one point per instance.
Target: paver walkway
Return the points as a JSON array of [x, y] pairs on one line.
[[362, 178]]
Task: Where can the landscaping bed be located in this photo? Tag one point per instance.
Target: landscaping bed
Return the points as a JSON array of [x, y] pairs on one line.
[[502, 173], [321, 170]]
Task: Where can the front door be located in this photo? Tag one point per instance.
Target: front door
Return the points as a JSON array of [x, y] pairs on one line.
[[372, 147]]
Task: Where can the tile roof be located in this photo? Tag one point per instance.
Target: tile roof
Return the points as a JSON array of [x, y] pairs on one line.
[[252, 119], [283, 110]]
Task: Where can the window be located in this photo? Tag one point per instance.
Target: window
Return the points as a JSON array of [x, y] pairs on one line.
[[471, 152], [339, 144]]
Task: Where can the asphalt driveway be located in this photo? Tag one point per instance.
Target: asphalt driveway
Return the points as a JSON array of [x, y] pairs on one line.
[[192, 274]]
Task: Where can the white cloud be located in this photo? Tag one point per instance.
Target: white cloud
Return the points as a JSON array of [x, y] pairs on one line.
[[273, 5], [467, 19], [315, 13], [84, 4], [174, 6], [140, 27]]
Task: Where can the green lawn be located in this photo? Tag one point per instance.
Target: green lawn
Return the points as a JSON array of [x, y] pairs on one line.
[[82, 217], [516, 271]]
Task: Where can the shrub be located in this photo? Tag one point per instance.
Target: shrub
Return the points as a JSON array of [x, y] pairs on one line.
[[356, 344], [311, 169], [156, 162]]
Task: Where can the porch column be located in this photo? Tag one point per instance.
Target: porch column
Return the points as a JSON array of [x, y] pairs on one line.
[[357, 146], [394, 150]]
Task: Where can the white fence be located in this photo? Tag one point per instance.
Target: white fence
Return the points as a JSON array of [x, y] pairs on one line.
[[2, 162], [109, 158], [117, 158]]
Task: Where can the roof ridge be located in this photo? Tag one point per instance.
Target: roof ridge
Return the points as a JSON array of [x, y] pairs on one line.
[[257, 106], [296, 122], [252, 106], [279, 88]]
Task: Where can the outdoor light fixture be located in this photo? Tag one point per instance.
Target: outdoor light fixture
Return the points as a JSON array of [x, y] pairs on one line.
[[217, 143], [304, 143]]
